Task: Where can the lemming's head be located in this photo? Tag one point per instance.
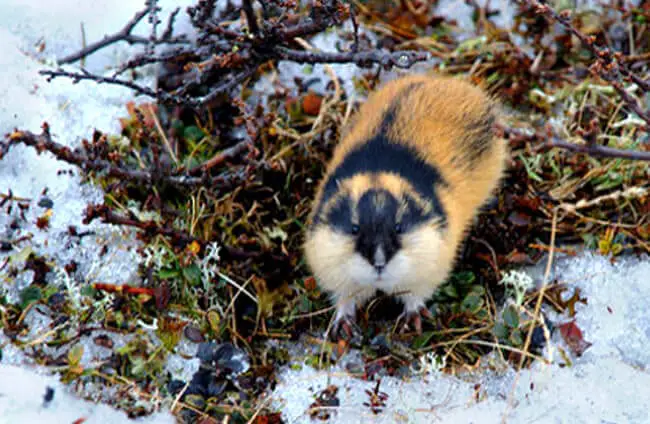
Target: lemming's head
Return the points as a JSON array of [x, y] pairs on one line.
[[374, 230]]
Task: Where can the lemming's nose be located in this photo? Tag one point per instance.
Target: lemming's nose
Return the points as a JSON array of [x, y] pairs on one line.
[[379, 260]]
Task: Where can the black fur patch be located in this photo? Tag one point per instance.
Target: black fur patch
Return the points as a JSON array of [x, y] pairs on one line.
[[482, 132], [414, 215], [391, 113], [377, 225], [340, 215], [379, 154]]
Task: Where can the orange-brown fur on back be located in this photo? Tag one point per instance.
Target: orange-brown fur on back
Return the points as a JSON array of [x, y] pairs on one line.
[[448, 124]]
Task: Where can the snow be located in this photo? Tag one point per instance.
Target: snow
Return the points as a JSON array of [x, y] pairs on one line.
[[73, 111], [607, 384], [23, 400]]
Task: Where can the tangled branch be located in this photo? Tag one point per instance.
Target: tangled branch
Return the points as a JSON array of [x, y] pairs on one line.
[[43, 142], [152, 228], [126, 35], [223, 58]]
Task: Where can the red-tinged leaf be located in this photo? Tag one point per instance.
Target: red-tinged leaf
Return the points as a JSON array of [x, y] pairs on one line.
[[311, 103], [518, 258], [79, 421], [530, 203], [572, 335], [310, 283]]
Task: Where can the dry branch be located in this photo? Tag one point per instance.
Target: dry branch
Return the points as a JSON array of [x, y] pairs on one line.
[[125, 34], [223, 58], [152, 228], [43, 142], [546, 139]]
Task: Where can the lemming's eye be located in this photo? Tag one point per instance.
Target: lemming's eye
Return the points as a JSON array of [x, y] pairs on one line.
[[355, 229], [398, 228]]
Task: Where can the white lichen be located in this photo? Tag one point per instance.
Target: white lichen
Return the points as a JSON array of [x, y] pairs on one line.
[[516, 283], [429, 363], [210, 264], [72, 288]]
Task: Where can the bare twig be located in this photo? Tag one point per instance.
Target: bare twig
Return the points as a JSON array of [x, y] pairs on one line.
[[139, 89], [43, 142], [548, 140], [596, 150], [221, 157], [355, 29], [125, 34], [250, 16], [227, 85], [153, 20], [152, 228], [404, 59], [228, 56]]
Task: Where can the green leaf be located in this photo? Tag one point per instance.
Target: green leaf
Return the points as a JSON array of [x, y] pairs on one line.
[[516, 338], [50, 290], [464, 277], [478, 291], [422, 340], [511, 316], [472, 303], [450, 291], [193, 133], [75, 354], [192, 274], [500, 331], [29, 295], [167, 273], [138, 366], [87, 291]]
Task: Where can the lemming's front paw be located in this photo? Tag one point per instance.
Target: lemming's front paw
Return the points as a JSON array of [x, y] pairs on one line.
[[413, 317], [344, 325]]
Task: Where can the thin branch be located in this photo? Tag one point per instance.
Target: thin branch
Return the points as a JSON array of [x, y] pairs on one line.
[[125, 34], [139, 89], [221, 157], [548, 140], [403, 59], [169, 29], [355, 29], [153, 228], [253, 28], [153, 20], [43, 142], [227, 85], [596, 150]]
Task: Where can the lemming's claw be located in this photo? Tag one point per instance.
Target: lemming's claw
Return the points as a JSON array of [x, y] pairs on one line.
[[414, 318], [344, 327]]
